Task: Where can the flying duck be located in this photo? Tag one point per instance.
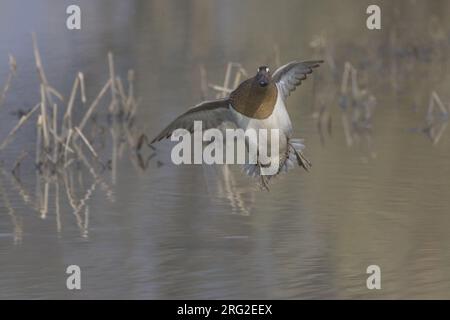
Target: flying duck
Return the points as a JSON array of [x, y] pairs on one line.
[[258, 102]]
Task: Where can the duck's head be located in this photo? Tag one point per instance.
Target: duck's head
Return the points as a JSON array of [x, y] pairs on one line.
[[263, 77]]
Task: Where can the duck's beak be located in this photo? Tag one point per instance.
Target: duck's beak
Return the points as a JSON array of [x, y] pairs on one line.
[[263, 79]]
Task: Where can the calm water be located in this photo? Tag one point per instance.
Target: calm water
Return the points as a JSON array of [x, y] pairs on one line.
[[379, 196]]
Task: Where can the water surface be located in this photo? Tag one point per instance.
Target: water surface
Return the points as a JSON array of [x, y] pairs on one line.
[[379, 197]]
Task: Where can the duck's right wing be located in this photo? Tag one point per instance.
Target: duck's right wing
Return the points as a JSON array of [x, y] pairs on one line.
[[211, 113]]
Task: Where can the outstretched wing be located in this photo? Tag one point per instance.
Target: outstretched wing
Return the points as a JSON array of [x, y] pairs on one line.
[[211, 113], [289, 76]]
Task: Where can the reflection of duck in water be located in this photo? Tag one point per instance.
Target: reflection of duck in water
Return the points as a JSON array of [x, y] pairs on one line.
[[224, 183]]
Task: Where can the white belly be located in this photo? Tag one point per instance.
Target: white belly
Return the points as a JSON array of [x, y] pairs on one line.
[[279, 119]]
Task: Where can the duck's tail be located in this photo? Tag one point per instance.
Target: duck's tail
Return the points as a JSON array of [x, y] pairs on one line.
[[295, 156]]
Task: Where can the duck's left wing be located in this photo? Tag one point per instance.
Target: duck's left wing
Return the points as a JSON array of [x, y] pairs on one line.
[[289, 76], [211, 113]]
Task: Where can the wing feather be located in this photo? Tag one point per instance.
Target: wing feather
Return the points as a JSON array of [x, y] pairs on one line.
[[211, 113], [291, 75]]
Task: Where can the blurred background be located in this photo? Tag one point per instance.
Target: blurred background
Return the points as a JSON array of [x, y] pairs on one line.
[[374, 120]]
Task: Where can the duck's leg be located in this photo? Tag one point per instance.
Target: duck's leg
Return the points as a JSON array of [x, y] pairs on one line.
[[301, 159], [265, 183], [264, 179]]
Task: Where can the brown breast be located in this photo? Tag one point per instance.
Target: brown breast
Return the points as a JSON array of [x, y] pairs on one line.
[[254, 101]]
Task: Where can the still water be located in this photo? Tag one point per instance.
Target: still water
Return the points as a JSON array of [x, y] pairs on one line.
[[378, 191]]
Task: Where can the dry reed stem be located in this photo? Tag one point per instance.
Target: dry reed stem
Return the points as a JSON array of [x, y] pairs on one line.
[[439, 102], [57, 208], [38, 139], [55, 93], [348, 135], [203, 82], [24, 194], [40, 68], [86, 222], [69, 193], [21, 122], [82, 157], [12, 73], [83, 224], [97, 178], [134, 106], [73, 205], [345, 77], [227, 78], [122, 93], [44, 209], [69, 136], [44, 118], [87, 196], [130, 77], [131, 104], [114, 155], [355, 89], [93, 105], [237, 79], [86, 142], [82, 86], [113, 106], [67, 119], [222, 90], [440, 132], [55, 134], [62, 142], [18, 231]]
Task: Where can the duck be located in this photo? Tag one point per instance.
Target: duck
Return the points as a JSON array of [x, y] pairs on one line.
[[257, 103]]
